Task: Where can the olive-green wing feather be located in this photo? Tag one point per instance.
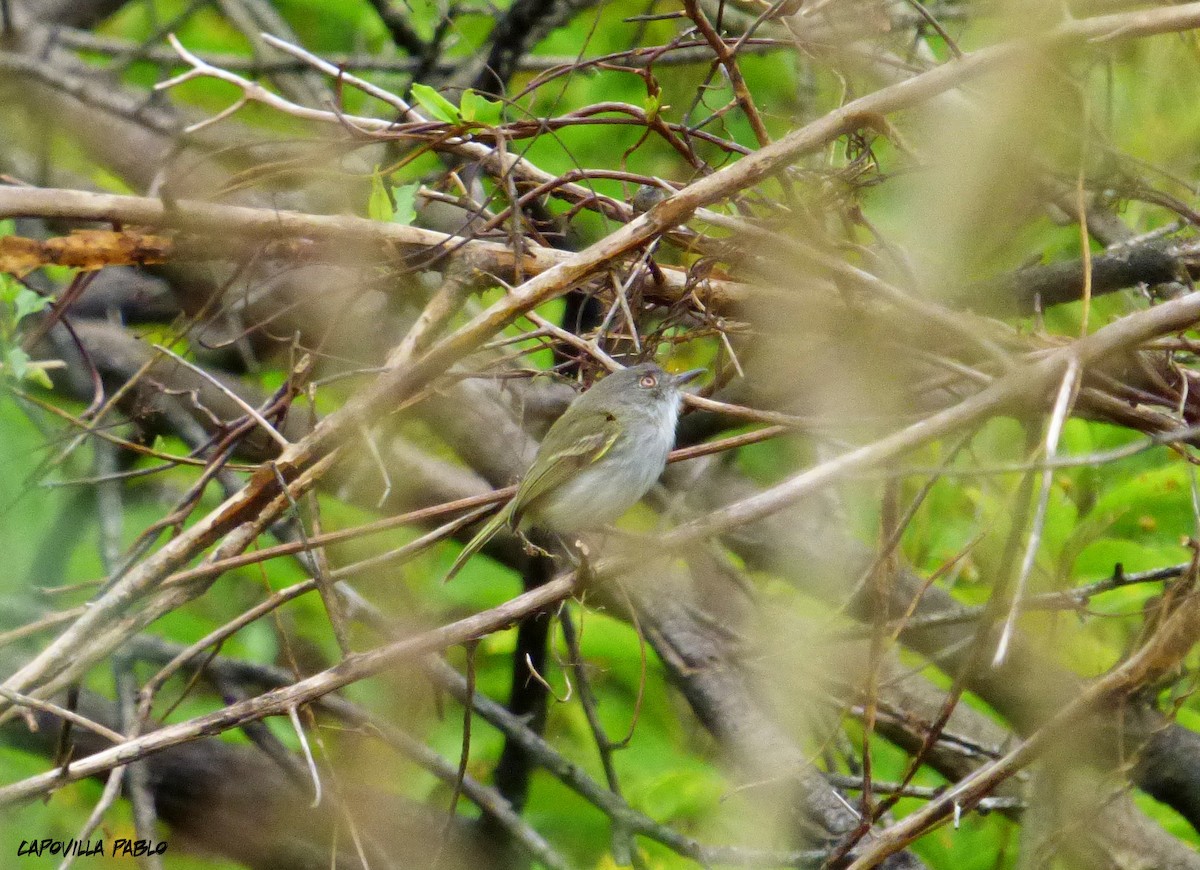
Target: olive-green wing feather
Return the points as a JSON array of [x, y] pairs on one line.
[[563, 454], [476, 543]]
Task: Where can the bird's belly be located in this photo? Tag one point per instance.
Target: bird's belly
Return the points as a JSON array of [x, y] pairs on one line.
[[600, 494]]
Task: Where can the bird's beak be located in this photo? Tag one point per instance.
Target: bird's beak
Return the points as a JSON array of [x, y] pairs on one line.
[[683, 377]]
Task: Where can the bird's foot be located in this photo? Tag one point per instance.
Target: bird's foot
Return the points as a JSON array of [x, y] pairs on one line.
[[532, 549]]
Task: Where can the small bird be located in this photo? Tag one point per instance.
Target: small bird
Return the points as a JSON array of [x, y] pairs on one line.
[[598, 459], [646, 197]]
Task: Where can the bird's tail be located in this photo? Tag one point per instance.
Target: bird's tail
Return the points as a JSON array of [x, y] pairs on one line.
[[502, 518]]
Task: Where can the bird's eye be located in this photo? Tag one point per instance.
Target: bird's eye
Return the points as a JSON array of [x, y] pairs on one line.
[[648, 381]]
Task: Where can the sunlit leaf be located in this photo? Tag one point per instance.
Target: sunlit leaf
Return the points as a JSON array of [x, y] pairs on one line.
[[27, 302], [406, 203], [379, 204], [435, 105], [480, 109]]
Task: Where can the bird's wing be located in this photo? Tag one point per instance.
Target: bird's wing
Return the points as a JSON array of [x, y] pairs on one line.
[[572, 455], [484, 535]]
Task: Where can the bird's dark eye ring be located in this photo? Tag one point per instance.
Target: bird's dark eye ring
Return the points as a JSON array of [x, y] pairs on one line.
[[648, 381]]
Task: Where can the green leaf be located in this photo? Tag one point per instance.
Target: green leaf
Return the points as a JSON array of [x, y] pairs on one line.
[[27, 302], [1153, 507], [399, 207], [9, 288], [435, 104], [1098, 559], [468, 104], [406, 203], [39, 376], [17, 363], [480, 109], [653, 105], [379, 205], [22, 368], [494, 113]]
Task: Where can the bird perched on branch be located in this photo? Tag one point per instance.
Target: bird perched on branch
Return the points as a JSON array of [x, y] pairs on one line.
[[598, 459]]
